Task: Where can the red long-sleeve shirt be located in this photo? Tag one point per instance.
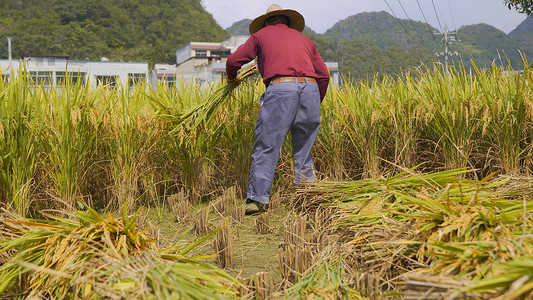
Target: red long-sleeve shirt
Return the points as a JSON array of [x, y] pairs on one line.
[[280, 51]]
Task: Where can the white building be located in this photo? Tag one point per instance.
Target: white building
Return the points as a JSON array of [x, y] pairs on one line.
[[163, 73], [53, 71], [194, 61]]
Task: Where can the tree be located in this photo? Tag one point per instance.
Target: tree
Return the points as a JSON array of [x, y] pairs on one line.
[[522, 6]]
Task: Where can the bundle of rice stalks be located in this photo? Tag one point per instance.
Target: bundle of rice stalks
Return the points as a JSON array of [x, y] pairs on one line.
[[392, 226], [425, 286], [206, 110], [96, 257], [324, 280]]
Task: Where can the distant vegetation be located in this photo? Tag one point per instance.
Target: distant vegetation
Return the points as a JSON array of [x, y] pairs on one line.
[[139, 30], [129, 30]]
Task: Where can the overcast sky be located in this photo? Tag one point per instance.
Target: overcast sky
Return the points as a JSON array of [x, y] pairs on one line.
[[320, 15]]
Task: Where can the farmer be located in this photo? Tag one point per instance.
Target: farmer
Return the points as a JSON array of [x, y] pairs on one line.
[[296, 79]]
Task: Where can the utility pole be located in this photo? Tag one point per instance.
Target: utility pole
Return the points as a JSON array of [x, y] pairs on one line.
[[9, 52], [447, 40]]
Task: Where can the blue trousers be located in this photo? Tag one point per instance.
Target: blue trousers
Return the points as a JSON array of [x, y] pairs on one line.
[[285, 107]]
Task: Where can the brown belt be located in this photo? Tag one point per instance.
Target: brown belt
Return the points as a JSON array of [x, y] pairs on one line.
[[293, 79]]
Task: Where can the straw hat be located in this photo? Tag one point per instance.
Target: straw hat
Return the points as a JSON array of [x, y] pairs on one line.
[[297, 20]]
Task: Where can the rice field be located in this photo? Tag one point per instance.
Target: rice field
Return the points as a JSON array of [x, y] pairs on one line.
[[425, 188]]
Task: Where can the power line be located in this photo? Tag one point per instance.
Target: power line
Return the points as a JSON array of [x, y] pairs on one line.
[[436, 14], [441, 14], [399, 21], [451, 14], [410, 21], [427, 23]]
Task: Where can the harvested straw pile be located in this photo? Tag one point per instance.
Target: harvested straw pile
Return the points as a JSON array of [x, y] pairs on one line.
[[97, 257], [451, 226]]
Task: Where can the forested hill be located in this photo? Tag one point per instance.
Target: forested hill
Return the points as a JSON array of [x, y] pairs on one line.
[[121, 30], [384, 30]]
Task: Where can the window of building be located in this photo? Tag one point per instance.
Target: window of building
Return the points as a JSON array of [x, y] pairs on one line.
[[169, 80], [43, 78], [107, 80], [201, 53], [136, 78], [220, 53], [74, 78]]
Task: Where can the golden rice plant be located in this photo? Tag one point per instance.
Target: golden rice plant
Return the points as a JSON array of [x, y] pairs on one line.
[[21, 124], [71, 138], [108, 145], [131, 140]]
